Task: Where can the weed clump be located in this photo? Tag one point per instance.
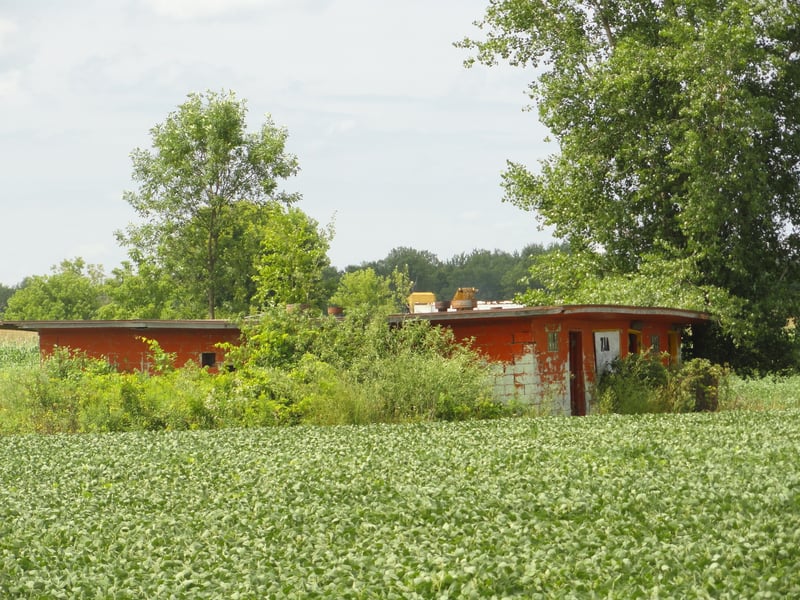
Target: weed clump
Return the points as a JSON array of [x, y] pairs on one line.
[[643, 383]]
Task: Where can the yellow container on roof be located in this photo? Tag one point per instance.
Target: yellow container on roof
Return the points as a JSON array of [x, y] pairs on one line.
[[424, 298]]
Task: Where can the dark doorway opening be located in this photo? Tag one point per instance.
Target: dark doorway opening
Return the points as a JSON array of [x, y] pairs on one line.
[[577, 390]]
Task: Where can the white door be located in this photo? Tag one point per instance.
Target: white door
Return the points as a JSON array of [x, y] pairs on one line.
[[606, 349]]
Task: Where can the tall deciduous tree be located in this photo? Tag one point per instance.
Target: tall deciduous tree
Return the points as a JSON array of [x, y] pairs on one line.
[[678, 123], [202, 166], [143, 291]]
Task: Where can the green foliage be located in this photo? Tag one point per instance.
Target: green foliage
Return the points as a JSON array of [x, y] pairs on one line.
[[292, 260], [144, 291], [276, 338], [295, 366], [633, 385], [18, 354], [6, 292], [320, 369], [72, 393], [199, 189], [351, 371], [760, 393], [585, 277], [676, 140], [696, 388], [642, 383], [161, 362], [364, 291], [426, 271], [674, 506], [413, 372], [74, 290], [498, 275]]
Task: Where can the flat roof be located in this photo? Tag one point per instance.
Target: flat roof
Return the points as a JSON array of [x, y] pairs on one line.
[[136, 324], [595, 311]]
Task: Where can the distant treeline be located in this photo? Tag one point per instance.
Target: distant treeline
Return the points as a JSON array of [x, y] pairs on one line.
[[498, 275]]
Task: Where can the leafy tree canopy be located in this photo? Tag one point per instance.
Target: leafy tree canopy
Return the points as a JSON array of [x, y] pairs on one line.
[[6, 292], [74, 290], [202, 167], [366, 292], [678, 124], [293, 259], [498, 275], [426, 271], [143, 291]]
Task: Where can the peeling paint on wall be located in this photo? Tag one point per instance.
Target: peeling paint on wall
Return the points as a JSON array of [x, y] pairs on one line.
[[531, 346], [521, 381]]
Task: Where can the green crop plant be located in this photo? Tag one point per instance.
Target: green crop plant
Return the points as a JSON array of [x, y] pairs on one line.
[[700, 505]]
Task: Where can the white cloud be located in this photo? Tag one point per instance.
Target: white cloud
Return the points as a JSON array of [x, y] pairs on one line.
[[92, 252], [7, 29], [199, 9], [390, 130], [341, 126], [10, 84], [471, 215]]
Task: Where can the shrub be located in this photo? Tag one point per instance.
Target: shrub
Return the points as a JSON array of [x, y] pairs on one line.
[[14, 355], [641, 383], [695, 386], [358, 369], [294, 367], [632, 385], [760, 393], [276, 338]]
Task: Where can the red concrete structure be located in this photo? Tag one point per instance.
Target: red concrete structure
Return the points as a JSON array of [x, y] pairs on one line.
[[550, 356], [123, 343], [547, 356]]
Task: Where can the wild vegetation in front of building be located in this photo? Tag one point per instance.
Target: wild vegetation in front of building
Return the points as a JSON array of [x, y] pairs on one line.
[[295, 367], [301, 367]]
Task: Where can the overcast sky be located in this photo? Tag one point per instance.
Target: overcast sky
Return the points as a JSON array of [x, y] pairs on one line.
[[394, 136]]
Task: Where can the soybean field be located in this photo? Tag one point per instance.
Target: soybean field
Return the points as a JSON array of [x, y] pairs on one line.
[[653, 506]]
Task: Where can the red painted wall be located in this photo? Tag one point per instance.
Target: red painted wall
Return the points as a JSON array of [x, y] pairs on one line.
[[530, 369], [124, 348], [503, 340]]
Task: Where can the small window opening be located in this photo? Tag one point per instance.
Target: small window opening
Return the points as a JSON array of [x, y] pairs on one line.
[[552, 341], [633, 342], [208, 359], [655, 343]]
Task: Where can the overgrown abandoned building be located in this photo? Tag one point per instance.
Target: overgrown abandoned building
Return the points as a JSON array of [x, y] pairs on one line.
[[124, 343], [548, 356]]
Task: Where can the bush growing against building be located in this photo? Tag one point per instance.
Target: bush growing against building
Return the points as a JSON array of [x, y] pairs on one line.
[[643, 383], [416, 372]]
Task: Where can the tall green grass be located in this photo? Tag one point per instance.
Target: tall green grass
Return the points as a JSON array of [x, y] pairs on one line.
[[764, 393], [297, 371], [20, 354]]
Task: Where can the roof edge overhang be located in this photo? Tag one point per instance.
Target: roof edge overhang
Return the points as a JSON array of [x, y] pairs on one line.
[[134, 324], [599, 311]]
